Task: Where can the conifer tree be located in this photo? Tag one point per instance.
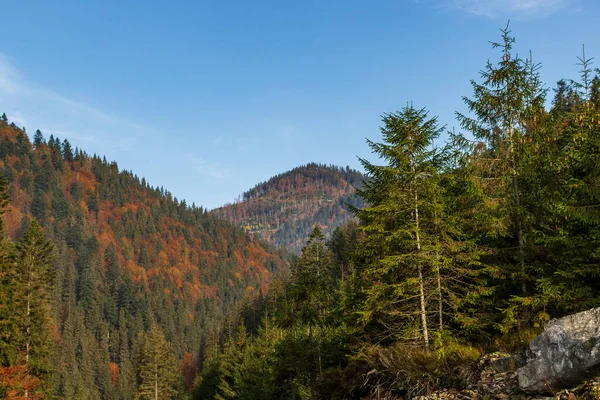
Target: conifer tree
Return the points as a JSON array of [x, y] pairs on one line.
[[403, 198], [312, 285], [158, 373], [67, 151], [38, 139], [595, 91], [32, 297], [565, 168], [502, 107]]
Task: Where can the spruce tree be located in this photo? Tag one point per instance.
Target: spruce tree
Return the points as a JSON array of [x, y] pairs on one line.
[[502, 107], [403, 198], [565, 168], [38, 139], [32, 297], [595, 92], [312, 285], [67, 151], [158, 373]]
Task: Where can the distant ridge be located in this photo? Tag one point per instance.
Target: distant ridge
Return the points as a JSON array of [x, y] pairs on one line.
[[284, 209]]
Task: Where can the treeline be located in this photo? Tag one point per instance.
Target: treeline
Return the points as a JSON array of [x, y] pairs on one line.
[[462, 249], [301, 178], [132, 279], [284, 209]]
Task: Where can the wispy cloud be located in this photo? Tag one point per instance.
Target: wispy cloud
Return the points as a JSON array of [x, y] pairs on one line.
[[33, 106], [206, 168], [508, 8]]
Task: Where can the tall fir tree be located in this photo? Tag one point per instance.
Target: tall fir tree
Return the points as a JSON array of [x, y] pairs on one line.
[[502, 109], [158, 374], [33, 297], [403, 198]]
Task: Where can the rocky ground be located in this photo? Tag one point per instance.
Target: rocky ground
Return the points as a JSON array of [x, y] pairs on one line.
[[496, 378], [561, 363], [565, 355]]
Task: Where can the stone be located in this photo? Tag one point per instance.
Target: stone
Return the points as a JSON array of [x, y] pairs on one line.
[[506, 364], [564, 355]]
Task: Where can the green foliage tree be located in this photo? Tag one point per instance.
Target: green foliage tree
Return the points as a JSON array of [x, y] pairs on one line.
[[38, 139], [403, 198], [157, 367], [308, 297], [32, 296], [67, 151], [503, 106]]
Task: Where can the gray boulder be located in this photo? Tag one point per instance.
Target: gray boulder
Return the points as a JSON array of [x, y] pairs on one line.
[[564, 355]]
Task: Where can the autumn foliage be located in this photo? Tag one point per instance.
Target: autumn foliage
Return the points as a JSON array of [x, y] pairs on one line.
[[15, 381], [128, 256], [285, 209]]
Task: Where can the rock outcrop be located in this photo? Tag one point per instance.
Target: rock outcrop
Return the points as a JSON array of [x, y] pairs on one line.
[[564, 355], [556, 366]]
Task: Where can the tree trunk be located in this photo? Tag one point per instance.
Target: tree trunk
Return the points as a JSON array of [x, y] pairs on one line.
[[440, 300], [319, 355], [27, 329], [515, 181], [421, 288], [156, 382]]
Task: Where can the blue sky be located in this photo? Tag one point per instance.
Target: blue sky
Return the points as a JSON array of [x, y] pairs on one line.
[[209, 98]]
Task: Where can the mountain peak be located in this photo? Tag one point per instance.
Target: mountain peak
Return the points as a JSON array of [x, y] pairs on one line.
[[284, 209]]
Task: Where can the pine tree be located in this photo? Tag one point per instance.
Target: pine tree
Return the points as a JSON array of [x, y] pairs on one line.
[[4, 118], [565, 170], [403, 198], [595, 92], [158, 373], [32, 297], [67, 151], [312, 285], [38, 139], [502, 106]]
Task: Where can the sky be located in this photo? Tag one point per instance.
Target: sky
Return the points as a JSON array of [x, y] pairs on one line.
[[209, 98]]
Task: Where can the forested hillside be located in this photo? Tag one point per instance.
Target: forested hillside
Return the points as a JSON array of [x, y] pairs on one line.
[[285, 209], [118, 277], [462, 249], [112, 289]]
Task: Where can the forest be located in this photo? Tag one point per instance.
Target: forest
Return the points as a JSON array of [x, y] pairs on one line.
[[104, 277], [284, 210], [463, 248], [112, 289]]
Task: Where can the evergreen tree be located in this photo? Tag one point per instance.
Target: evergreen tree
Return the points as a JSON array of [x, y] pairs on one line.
[[503, 106], [403, 198], [310, 293], [67, 151], [595, 91], [32, 296], [157, 367], [4, 118], [38, 139]]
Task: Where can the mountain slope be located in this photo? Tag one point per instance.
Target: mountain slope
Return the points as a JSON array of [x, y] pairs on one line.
[[284, 209], [128, 256]]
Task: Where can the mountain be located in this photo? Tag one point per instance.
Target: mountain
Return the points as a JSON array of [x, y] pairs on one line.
[[285, 209], [128, 256]]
